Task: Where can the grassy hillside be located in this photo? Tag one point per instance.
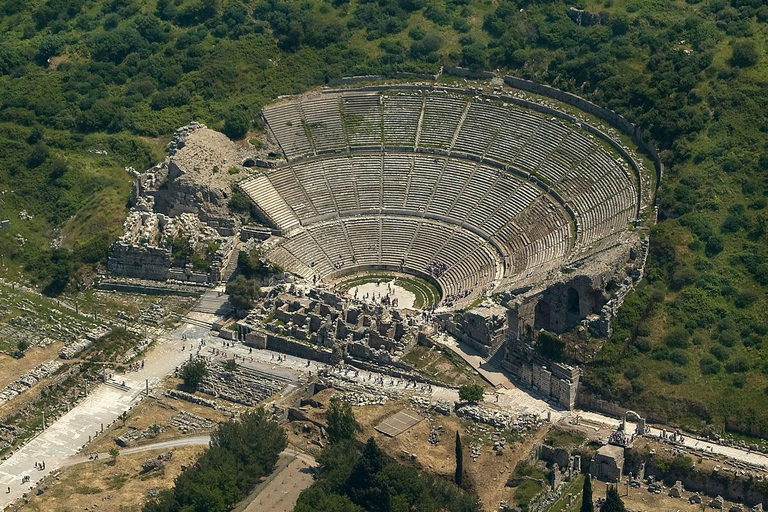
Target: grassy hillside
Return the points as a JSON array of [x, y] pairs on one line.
[[78, 76]]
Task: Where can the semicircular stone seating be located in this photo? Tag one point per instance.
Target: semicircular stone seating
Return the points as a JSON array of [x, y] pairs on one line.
[[473, 192]]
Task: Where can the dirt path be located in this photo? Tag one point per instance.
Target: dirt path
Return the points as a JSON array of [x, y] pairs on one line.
[[280, 491], [173, 443]]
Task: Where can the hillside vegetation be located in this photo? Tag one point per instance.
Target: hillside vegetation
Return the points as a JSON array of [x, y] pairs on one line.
[[82, 77]]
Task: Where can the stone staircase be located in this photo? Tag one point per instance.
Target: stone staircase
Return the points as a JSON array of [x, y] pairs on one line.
[[269, 201], [117, 385]]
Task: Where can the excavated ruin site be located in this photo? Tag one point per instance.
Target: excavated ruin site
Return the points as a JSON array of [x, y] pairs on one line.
[[501, 213], [407, 240]]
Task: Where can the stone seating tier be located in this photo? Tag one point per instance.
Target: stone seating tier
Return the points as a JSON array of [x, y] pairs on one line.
[[376, 178]]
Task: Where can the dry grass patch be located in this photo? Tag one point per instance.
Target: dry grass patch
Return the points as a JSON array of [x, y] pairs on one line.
[[113, 486], [159, 412]]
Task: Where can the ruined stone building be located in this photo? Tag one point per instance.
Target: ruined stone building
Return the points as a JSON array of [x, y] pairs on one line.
[[323, 326]]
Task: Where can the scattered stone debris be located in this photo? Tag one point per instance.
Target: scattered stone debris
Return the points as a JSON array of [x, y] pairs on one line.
[[154, 314], [480, 414], [443, 407], [434, 434], [188, 422], [28, 380], [243, 386], [188, 397], [71, 350], [151, 465], [127, 438]]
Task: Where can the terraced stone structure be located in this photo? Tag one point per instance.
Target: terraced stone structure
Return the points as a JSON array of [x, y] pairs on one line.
[[477, 194]]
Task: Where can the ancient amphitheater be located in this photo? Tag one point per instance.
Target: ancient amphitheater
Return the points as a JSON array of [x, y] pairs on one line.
[[474, 193]]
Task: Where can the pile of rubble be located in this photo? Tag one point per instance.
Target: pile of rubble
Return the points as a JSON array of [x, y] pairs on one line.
[[361, 393], [525, 423], [434, 434], [28, 380], [241, 386], [98, 332], [188, 397], [154, 314], [179, 138], [474, 452], [480, 414], [8, 433], [71, 350], [443, 407], [188, 422], [126, 439], [360, 399], [156, 463]]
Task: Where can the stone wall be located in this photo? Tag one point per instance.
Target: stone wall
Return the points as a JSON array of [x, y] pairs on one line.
[[270, 341], [139, 261], [588, 401], [348, 80], [151, 288], [483, 327], [742, 489], [532, 371], [468, 73]]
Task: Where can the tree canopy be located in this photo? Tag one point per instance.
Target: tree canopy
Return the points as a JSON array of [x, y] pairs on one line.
[[341, 422], [242, 292], [353, 480], [612, 501], [471, 392], [241, 452], [193, 372]]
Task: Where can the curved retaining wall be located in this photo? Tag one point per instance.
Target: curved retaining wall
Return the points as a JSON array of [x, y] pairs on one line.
[[611, 117]]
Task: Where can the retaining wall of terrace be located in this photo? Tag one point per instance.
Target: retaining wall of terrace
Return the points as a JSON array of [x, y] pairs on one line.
[[269, 341], [609, 116]]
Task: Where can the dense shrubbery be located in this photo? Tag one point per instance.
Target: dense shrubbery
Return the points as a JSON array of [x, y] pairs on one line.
[[353, 481], [240, 453], [242, 292]]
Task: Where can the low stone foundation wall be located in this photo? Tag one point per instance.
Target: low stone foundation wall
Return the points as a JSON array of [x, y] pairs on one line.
[[269, 341]]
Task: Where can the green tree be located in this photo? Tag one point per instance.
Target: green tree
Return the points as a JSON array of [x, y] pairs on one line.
[[745, 54], [471, 392], [341, 421], [242, 292], [241, 453], [364, 487], [239, 202], [193, 373], [236, 124], [586, 495], [459, 461], [613, 502], [22, 347]]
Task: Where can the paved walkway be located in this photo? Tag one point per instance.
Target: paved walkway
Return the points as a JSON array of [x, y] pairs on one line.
[[162, 445], [65, 437]]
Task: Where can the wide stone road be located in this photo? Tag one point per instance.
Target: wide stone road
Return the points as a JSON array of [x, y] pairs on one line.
[[104, 404]]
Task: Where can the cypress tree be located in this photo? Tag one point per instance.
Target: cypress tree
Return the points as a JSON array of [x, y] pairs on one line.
[[613, 502], [586, 495], [459, 460]]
